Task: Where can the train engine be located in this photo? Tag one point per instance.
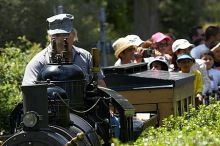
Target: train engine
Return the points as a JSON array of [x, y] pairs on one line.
[[61, 109]]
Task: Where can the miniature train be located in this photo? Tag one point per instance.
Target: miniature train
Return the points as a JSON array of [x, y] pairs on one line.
[[62, 110]]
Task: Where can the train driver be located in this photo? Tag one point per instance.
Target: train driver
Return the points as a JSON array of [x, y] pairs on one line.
[[60, 27]]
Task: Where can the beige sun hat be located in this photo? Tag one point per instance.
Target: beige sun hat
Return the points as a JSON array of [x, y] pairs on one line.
[[216, 47], [120, 45]]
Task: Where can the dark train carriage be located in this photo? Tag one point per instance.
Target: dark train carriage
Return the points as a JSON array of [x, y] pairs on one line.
[[160, 92]]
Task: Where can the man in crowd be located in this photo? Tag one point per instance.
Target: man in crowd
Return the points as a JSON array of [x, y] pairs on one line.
[[124, 51], [143, 51], [197, 35], [212, 35], [216, 55]]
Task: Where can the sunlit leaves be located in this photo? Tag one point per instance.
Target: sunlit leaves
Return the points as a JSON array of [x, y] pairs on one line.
[[197, 127], [13, 60]]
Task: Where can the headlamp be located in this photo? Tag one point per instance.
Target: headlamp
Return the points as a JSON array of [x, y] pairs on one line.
[[30, 119]]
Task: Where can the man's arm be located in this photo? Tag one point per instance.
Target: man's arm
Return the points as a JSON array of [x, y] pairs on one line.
[[31, 72], [33, 68]]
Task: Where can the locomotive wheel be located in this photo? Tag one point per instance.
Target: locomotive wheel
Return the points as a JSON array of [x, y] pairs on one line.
[[36, 138], [89, 131], [70, 133]]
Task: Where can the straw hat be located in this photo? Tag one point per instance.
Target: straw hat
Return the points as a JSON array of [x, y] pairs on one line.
[[120, 45]]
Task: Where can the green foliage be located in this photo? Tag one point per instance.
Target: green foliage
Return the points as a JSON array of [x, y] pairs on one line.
[[179, 16], [86, 21], [212, 10], [27, 18], [12, 64], [120, 17], [197, 127]]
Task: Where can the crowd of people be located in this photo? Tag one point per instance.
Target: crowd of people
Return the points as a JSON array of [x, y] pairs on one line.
[[200, 55]]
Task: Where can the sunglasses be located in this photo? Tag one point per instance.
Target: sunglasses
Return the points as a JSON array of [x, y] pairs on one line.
[[130, 49], [162, 45]]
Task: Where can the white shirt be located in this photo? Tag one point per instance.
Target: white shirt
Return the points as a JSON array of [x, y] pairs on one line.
[[118, 62], [216, 75], [200, 65]]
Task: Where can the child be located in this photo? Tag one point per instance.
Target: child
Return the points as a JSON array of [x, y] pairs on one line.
[[158, 63], [185, 62], [182, 46], [214, 74]]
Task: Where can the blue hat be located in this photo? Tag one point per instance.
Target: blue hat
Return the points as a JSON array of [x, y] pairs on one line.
[[61, 23], [184, 56]]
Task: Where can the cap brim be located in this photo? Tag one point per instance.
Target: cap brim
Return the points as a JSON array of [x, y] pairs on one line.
[[163, 38], [216, 47], [57, 31], [117, 52], [185, 46], [184, 57], [157, 60], [137, 43]]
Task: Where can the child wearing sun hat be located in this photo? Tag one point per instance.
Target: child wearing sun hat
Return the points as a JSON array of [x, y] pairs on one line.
[[185, 62]]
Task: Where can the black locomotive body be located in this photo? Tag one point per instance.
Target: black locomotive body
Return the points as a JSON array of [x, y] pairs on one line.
[[61, 109]]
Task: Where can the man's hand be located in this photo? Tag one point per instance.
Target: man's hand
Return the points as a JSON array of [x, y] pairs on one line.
[[138, 54]]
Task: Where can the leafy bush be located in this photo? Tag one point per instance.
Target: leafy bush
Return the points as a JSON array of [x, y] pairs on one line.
[[13, 60], [197, 127]]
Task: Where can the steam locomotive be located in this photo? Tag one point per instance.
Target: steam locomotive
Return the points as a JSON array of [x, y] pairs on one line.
[[61, 109]]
